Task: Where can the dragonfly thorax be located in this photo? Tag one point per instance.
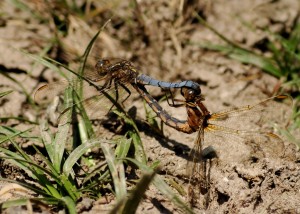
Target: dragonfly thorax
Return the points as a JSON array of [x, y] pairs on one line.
[[117, 69]]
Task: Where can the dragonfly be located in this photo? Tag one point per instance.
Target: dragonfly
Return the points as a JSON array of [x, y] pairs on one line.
[[115, 73], [229, 126], [118, 76], [118, 69], [122, 71]]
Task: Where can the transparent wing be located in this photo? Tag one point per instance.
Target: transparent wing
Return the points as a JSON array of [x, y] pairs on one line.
[[96, 103], [46, 93], [258, 143], [252, 125], [196, 170], [274, 110], [237, 134]]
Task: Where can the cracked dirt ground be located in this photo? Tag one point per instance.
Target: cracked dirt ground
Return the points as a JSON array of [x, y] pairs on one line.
[[165, 46]]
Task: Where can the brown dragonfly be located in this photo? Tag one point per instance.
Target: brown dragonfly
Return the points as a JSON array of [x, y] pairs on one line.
[[112, 79], [250, 124], [115, 73]]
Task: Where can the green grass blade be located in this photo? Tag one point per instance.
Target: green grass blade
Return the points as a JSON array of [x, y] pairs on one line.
[[23, 202], [85, 125], [14, 203], [65, 182], [163, 187], [123, 148], [2, 94], [259, 61], [248, 57], [6, 74], [89, 47], [70, 204], [61, 136], [70, 187], [27, 186], [22, 6], [228, 41], [39, 171], [47, 161], [278, 65], [21, 119], [44, 61], [136, 196], [151, 117], [290, 137], [117, 171], [10, 133], [78, 152], [19, 164], [47, 139], [140, 154]]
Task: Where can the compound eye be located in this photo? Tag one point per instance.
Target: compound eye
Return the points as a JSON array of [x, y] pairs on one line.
[[189, 95], [101, 66], [106, 62], [199, 91], [191, 92], [102, 62]]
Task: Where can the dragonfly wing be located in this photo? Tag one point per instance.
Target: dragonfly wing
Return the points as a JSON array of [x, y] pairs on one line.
[[99, 105], [46, 93], [228, 141], [263, 115], [195, 155], [96, 103], [252, 124], [197, 170]]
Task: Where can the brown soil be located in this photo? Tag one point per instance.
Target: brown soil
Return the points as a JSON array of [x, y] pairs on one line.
[[163, 39]]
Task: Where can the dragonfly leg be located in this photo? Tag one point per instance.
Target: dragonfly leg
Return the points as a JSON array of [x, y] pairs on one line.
[[126, 89], [107, 84], [173, 102]]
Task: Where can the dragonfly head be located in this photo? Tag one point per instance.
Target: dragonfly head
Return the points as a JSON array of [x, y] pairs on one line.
[[102, 66], [191, 94]]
